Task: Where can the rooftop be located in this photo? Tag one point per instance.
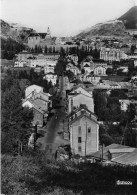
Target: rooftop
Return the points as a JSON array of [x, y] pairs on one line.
[[125, 154]]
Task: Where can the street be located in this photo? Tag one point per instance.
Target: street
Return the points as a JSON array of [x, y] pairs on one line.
[[53, 137]]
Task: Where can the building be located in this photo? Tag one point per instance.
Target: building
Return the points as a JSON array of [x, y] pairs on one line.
[[100, 71], [116, 154], [49, 69], [40, 110], [73, 69], [74, 58], [51, 77], [32, 88], [78, 97], [111, 54], [84, 135], [39, 101], [40, 39], [20, 63], [22, 56], [124, 104]]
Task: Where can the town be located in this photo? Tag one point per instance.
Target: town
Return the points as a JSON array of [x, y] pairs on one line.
[[71, 101]]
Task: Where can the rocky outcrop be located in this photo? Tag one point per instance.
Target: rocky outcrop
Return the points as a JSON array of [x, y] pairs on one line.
[[130, 18], [15, 31], [110, 28]]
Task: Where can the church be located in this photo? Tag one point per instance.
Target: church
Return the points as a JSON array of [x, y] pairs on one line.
[[40, 39]]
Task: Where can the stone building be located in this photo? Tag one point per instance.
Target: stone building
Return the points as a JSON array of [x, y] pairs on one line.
[[84, 135]]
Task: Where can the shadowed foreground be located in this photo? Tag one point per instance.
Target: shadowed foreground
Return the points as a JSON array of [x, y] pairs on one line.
[[34, 174]]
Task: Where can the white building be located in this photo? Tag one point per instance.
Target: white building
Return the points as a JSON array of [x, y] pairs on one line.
[[51, 77], [48, 69], [100, 70], [74, 58], [32, 88], [124, 104], [20, 64]]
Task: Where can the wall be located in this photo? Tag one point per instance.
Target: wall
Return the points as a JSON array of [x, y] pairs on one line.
[[38, 117], [92, 137], [31, 88]]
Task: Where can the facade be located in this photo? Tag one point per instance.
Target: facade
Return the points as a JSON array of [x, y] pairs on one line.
[[111, 54], [100, 70], [30, 90], [84, 136], [22, 56], [73, 69], [49, 69], [39, 39], [37, 63], [51, 77], [74, 58], [88, 68], [76, 99], [124, 104], [20, 63], [40, 110]]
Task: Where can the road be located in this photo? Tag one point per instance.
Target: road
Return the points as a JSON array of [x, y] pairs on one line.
[[52, 139]]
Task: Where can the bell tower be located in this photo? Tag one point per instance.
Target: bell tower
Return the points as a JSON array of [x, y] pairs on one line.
[[48, 32]]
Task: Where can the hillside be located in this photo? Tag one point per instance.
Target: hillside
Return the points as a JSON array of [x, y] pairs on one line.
[[110, 28], [130, 18], [14, 31]]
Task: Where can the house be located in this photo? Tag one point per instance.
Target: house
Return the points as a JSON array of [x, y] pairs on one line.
[[39, 39], [51, 77], [93, 78], [32, 88], [75, 99], [74, 58], [111, 54], [22, 56], [116, 154], [73, 69], [124, 104], [48, 69], [21, 63], [100, 70], [83, 91], [87, 68], [83, 128], [40, 110]]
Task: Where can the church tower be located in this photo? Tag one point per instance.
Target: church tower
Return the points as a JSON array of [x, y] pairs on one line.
[[48, 33]]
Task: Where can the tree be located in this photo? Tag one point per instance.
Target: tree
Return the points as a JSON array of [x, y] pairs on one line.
[[83, 71], [109, 71], [16, 121], [70, 75]]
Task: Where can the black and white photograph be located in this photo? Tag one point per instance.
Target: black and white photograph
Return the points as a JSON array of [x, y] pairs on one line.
[[68, 97]]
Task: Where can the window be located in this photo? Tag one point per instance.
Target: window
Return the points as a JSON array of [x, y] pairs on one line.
[[89, 130], [79, 148], [79, 130], [79, 139], [71, 102]]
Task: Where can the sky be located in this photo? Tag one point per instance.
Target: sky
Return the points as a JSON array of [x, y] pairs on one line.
[[64, 17]]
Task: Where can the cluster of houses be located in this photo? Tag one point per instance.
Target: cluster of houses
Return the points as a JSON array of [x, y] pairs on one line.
[[39, 102], [82, 131], [39, 62]]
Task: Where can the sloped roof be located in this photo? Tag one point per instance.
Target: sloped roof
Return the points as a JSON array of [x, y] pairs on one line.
[[33, 35], [37, 104], [81, 116], [81, 108], [125, 154], [87, 65]]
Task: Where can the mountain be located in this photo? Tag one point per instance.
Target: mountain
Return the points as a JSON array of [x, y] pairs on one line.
[[130, 18], [109, 28], [14, 31]]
